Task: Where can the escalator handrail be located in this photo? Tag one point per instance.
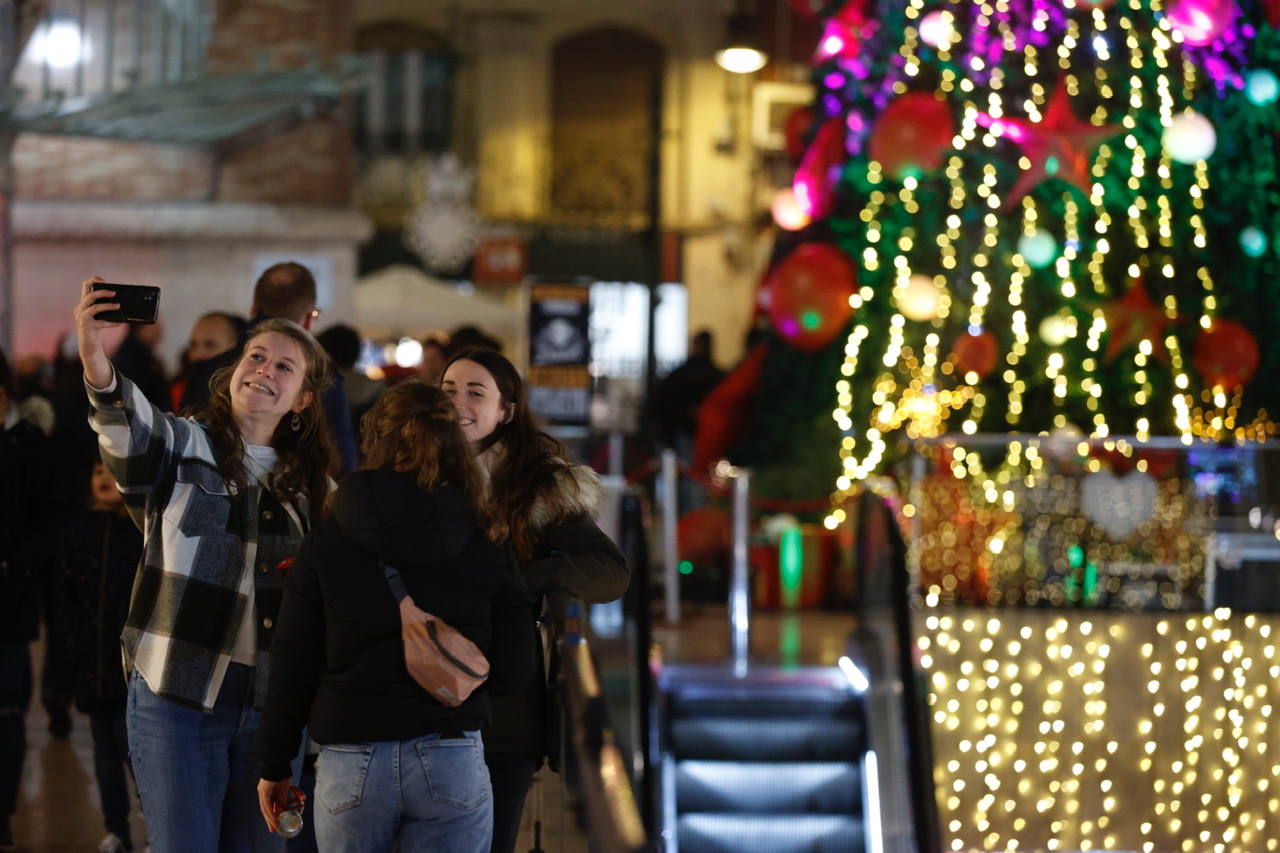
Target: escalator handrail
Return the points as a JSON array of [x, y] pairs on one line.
[[612, 820]]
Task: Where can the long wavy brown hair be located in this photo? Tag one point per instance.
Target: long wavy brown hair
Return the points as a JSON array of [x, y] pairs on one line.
[[307, 456], [413, 429], [531, 459]]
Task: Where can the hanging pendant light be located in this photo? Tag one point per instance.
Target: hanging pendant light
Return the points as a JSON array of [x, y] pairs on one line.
[[741, 53]]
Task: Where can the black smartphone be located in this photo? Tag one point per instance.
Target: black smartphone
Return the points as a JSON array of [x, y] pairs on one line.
[[138, 303]]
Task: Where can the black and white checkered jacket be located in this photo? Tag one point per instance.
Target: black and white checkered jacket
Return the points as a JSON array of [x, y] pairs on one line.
[[186, 607]]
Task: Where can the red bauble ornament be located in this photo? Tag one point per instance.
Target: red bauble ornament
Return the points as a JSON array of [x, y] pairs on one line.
[[810, 292], [808, 9], [794, 129], [1226, 354], [975, 353], [819, 171], [912, 135]]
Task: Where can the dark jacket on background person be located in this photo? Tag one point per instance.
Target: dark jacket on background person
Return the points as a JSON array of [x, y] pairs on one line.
[[572, 555], [92, 575], [139, 364], [337, 411], [338, 658], [24, 527]]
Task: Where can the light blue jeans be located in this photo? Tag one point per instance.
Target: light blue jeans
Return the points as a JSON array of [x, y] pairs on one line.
[[429, 794], [196, 772]]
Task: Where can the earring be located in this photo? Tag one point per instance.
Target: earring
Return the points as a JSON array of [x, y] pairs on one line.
[[295, 422]]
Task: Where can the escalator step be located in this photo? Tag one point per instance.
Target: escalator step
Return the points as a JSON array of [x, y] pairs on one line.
[[769, 833], [746, 701], [766, 739], [829, 787]]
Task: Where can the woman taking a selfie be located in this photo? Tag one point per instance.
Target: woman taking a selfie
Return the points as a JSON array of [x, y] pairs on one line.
[[549, 506], [396, 766], [223, 500]]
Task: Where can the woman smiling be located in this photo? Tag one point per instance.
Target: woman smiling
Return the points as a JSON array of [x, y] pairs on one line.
[[223, 501]]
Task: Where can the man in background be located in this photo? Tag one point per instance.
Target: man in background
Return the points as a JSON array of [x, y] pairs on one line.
[[287, 291]]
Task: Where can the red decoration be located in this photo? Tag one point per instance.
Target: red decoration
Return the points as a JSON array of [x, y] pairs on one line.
[[807, 8], [1061, 146], [977, 353], [809, 295], [1226, 354], [722, 415], [794, 129], [1272, 8], [912, 135], [819, 170], [703, 536], [1135, 318]]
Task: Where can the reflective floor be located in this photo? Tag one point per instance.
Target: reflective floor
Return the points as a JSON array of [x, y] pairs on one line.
[[58, 808]]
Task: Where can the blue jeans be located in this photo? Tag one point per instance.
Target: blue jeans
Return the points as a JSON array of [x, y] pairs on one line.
[[429, 794], [196, 772]]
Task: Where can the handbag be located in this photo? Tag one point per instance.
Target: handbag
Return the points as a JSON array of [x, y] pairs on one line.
[[444, 662]]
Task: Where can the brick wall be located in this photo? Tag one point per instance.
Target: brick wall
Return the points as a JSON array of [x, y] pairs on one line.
[[64, 168], [310, 164], [289, 33]]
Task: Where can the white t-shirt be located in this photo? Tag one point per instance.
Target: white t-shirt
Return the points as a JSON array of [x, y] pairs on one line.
[[258, 462]]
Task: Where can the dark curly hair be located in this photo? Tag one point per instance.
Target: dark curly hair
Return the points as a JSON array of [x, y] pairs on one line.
[[307, 456]]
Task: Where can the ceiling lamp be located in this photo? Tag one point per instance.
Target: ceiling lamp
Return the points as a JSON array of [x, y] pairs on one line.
[[741, 54]]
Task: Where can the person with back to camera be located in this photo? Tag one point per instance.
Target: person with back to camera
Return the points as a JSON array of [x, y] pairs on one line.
[[223, 501], [396, 766], [548, 505]]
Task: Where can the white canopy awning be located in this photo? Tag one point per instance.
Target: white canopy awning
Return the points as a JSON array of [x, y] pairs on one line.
[[401, 300]]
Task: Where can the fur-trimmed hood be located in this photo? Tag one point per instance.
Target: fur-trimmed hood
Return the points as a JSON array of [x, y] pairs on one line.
[[578, 490]]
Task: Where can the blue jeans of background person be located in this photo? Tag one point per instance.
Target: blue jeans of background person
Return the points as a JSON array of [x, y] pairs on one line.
[[15, 698], [431, 793], [196, 772], [110, 761]]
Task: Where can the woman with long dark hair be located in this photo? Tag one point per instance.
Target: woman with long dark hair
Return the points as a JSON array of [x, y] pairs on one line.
[[548, 506], [223, 500], [398, 769]]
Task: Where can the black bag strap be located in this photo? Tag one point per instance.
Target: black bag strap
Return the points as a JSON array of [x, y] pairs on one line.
[[392, 574]]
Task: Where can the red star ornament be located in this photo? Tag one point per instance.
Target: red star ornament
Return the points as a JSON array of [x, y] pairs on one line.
[[1135, 318], [1061, 146]]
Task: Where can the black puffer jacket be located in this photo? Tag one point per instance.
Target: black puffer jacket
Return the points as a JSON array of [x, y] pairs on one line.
[[338, 652], [24, 528], [95, 560]]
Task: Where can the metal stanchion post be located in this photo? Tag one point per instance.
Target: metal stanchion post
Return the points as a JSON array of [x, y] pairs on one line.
[[670, 556], [740, 580]]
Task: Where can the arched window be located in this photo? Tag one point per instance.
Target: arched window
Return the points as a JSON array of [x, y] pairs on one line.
[[605, 86]]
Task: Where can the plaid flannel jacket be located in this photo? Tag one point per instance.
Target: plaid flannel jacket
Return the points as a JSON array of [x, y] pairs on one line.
[[186, 607]]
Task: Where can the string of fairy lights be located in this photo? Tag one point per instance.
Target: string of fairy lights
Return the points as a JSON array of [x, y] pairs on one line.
[[1135, 65], [1052, 743]]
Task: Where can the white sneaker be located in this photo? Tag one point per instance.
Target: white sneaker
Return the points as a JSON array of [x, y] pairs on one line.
[[111, 843]]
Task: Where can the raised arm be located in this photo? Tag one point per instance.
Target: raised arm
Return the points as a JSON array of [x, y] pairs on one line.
[[138, 441]]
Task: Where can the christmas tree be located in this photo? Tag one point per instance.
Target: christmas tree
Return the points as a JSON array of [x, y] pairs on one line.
[[1025, 216]]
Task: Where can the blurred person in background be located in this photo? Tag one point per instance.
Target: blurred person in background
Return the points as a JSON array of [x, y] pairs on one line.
[[24, 533], [287, 291], [342, 343], [434, 357], [212, 335], [92, 572], [136, 359]]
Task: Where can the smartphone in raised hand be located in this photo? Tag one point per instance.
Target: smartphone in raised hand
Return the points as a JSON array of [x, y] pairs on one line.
[[138, 303]]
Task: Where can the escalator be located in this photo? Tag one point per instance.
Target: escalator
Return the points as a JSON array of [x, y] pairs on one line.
[[773, 762]]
